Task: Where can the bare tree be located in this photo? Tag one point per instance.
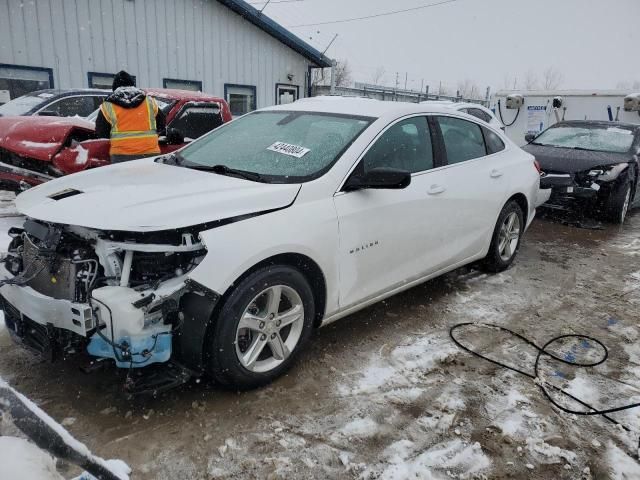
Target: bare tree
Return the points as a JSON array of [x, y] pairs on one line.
[[443, 90], [509, 82], [530, 80], [468, 89], [378, 75], [342, 71], [551, 78]]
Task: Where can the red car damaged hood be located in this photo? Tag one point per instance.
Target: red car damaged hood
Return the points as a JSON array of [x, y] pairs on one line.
[[38, 137]]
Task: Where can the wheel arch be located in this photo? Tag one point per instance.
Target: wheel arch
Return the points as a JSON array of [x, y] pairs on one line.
[[306, 265], [523, 203]]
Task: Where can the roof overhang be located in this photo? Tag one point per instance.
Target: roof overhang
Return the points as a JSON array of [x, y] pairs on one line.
[[277, 31]]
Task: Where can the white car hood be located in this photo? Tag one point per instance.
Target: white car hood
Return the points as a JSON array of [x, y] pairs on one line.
[[144, 196]]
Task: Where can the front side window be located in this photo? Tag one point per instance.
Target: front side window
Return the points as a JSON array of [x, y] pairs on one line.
[[404, 146], [196, 119], [462, 139], [599, 138], [72, 106], [281, 146]]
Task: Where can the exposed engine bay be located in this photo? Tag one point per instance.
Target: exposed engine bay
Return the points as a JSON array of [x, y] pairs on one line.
[[114, 294]]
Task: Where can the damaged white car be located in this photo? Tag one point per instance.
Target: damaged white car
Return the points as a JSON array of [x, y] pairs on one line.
[[223, 257]]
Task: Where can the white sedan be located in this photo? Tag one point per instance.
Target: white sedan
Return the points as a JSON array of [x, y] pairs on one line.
[[223, 257]]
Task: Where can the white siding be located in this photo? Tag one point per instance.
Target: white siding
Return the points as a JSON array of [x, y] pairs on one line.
[[151, 39]]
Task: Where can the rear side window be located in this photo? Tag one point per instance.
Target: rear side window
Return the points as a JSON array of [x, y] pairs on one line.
[[405, 146], [476, 112], [493, 141], [463, 140]]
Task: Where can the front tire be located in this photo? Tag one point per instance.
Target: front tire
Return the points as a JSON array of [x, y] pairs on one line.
[[261, 328], [505, 242], [618, 203]]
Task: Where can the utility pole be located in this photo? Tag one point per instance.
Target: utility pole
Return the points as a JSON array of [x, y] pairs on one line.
[[396, 89], [406, 75], [332, 91]]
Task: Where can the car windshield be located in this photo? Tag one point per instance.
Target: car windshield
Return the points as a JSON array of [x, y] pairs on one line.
[[598, 138], [163, 104], [280, 146], [21, 105]]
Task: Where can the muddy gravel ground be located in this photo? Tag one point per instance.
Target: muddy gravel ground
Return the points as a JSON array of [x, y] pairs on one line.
[[385, 393]]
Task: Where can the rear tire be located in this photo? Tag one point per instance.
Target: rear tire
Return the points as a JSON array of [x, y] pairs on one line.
[[505, 242], [619, 203], [261, 328]]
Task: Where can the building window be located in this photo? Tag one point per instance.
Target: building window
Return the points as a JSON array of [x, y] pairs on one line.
[[286, 93], [241, 98], [17, 80], [192, 85], [103, 80]]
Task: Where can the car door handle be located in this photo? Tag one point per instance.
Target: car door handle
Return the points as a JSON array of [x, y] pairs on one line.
[[435, 189], [495, 173]]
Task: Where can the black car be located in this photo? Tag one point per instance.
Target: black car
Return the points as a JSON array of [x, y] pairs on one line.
[[58, 103], [590, 166]]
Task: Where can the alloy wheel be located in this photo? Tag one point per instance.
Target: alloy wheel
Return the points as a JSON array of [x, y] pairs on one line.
[[625, 205], [509, 236], [269, 329]]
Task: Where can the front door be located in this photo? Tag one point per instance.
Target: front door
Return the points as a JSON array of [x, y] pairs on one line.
[[388, 237]]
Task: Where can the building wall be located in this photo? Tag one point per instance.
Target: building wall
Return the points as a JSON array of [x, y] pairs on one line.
[[198, 40]]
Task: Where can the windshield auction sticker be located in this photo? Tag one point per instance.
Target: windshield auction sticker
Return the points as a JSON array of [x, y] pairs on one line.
[[289, 149]]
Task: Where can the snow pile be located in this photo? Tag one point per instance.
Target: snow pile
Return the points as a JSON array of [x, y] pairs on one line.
[[118, 467], [623, 467], [449, 458], [20, 459]]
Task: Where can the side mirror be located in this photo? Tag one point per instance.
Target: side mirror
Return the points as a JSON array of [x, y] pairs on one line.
[[174, 136], [48, 113], [381, 177], [530, 137]]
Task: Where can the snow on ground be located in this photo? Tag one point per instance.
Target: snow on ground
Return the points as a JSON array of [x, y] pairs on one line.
[[20, 459]]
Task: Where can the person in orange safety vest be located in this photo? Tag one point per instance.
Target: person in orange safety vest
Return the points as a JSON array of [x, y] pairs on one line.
[[131, 120]]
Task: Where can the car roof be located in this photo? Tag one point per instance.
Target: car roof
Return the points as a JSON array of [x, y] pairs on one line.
[[175, 94], [59, 92], [366, 107]]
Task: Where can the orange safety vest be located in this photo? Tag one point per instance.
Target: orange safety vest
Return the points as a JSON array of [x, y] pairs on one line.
[[133, 130]]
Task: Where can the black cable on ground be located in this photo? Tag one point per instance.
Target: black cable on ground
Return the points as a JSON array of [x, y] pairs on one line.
[[541, 382]]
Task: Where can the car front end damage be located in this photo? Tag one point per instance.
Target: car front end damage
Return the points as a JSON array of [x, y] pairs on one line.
[[115, 295], [589, 188]]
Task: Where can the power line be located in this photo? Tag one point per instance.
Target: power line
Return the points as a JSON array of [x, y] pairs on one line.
[[394, 12]]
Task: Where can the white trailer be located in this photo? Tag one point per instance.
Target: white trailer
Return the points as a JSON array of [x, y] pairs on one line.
[[539, 109]]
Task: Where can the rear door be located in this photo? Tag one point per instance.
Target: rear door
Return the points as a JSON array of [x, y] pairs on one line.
[[474, 183]]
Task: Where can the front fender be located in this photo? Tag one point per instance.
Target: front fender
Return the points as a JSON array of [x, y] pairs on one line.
[[309, 228]]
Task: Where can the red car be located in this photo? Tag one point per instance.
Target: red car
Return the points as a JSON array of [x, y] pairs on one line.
[[36, 149]]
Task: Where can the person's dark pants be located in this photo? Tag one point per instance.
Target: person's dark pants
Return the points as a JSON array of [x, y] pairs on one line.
[[127, 158]]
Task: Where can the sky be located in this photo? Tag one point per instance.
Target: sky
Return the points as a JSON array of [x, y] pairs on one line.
[[592, 43]]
